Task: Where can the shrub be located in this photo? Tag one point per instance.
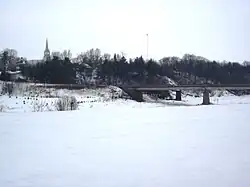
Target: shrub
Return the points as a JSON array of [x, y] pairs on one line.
[[7, 88], [2, 108], [66, 103], [40, 106]]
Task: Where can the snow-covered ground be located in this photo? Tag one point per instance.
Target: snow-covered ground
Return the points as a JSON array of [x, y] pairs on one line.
[[116, 142], [28, 98], [120, 145], [99, 99], [31, 104]]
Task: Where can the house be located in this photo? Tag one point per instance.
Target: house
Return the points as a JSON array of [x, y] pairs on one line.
[[12, 76]]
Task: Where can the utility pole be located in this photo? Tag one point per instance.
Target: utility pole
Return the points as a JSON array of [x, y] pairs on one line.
[[147, 46]]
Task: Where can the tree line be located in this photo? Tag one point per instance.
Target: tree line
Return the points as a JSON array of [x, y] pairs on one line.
[[92, 67]]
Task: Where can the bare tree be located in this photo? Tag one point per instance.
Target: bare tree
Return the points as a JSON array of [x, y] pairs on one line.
[[66, 54], [81, 58], [56, 54], [106, 56], [93, 54], [246, 63], [92, 57], [9, 59], [123, 54], [4, 61]]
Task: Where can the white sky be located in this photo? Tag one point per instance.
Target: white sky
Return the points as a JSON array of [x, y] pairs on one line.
[[215, 29]]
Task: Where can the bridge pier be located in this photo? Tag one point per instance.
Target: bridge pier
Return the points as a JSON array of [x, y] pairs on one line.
[[206, 98], [178, 95]]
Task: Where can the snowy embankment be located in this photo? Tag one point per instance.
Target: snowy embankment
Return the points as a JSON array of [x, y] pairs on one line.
[[126, 146], [26, 97], [29, 98]]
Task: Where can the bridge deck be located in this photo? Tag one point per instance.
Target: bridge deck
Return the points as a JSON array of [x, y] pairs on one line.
[[154, 87], [190, 87]]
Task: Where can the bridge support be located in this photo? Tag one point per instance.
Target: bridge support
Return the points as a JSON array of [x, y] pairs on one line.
[[178, 95], [206, 98]]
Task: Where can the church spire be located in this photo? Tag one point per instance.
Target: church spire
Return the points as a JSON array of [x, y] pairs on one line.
[[47, 45], [46, 56]]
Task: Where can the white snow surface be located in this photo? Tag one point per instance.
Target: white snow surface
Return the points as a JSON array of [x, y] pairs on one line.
[[169, 81], [125, 144], [25, 98], [115, 142]]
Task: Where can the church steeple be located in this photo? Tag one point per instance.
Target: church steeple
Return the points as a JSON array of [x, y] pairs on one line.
[[46, 56], [47, 45]]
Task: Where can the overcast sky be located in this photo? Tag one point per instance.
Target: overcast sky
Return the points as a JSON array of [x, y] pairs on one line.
[[215, 29]]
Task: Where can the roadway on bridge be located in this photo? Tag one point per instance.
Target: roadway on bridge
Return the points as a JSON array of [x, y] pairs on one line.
[[188, 87]]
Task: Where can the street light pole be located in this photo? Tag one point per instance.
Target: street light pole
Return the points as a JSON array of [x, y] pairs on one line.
[[147, 46]]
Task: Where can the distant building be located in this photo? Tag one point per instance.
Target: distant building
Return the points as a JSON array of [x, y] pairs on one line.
[[33, 62], [15, 75]]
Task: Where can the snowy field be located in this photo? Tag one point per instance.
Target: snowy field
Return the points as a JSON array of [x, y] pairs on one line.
[[110, 143], [98, 99], [125, 146]]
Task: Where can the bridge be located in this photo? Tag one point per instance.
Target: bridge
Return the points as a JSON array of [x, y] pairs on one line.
[[136, 91]]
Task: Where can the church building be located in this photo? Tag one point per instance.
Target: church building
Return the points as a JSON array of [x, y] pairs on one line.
[[46, 55]]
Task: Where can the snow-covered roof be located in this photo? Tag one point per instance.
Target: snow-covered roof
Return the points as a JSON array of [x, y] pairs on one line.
[[13, 72]]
